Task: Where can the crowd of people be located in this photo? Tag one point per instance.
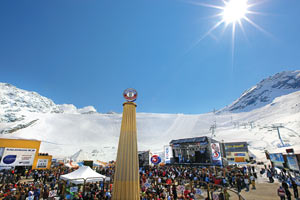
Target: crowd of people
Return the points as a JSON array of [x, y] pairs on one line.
[[165, 182], [157, 183], [30, 184], [46, 184]]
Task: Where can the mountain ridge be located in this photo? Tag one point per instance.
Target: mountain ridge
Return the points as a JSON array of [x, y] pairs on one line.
[[15, 102], [266, 91]]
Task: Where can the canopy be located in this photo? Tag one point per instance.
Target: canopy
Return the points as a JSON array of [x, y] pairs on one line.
[[83, 174]]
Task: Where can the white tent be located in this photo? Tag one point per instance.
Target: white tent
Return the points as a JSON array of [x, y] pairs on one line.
[[83, 175]]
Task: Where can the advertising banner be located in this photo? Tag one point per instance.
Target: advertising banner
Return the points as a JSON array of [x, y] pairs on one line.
[[236, 147], [276, 158], [17, 157], [168, 154], [74, 189], [216, 154], [292, 162], [42, 163], [239, 154], [155, 159]]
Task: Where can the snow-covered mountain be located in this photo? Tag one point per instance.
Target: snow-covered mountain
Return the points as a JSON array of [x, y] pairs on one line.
[[15, 102], [266, 91], [65, 130]]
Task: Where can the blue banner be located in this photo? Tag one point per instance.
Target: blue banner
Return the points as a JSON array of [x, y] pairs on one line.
[[276, 157], [292, 162]]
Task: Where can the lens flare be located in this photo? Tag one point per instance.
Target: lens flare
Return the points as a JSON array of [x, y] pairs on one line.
[[233, 13], [235, 10]]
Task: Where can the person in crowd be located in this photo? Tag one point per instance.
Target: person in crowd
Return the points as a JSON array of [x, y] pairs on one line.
[[247, 182], [45, 193], [281, 193], [288, 194], [37, 193], [239, 184], [295, 189], [252, 180], [270, 176], [284, 185], [221, 196], [226, 194]]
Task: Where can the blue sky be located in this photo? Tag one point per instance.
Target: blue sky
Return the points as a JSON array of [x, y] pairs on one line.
[[86, 52]]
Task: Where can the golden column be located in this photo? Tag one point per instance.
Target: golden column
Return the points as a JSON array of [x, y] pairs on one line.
[[126, 178]]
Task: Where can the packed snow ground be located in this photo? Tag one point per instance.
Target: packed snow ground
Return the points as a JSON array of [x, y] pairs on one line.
[[63, 134]]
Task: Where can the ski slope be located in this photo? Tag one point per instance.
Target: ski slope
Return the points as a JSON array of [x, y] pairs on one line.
[[64, 134], [65, 130]]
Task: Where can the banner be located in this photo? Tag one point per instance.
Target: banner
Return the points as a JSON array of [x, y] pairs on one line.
[[276, 158], [168, 154], [216, 154], [239, 154], [74, 189], [17, 157], [236, 147], [155, 159], [42, 163], [292, 162]]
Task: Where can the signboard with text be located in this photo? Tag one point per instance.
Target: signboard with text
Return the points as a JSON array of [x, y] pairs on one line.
[[236, 147], [42, 163], [17, 157]]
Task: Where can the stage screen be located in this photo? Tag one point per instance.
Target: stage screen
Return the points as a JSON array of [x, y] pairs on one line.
[[292, 162]]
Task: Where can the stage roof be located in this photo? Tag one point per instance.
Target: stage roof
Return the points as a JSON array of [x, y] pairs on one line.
[[192, 140]]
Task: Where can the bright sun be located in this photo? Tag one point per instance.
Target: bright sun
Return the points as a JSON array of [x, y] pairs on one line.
[[233, 13], [234, 10]]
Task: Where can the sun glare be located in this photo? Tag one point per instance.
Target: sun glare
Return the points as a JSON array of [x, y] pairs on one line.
[[234, 10], [233, 13]]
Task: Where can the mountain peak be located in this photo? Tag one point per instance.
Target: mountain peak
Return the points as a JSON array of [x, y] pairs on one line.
[[266, 91], [13, 99], [15, 102]]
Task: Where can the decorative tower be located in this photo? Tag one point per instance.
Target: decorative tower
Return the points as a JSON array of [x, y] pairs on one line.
[[126, 178]]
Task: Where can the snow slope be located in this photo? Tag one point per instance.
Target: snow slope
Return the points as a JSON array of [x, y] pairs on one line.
[[65, 130]]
